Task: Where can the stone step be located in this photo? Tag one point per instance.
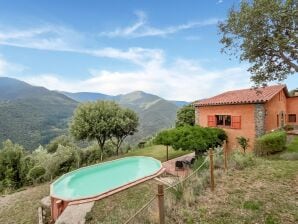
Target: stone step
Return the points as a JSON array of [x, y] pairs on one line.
[[75, 214]]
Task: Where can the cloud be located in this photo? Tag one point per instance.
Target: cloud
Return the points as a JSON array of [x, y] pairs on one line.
[[141, 28], [55, 38], [45, 37], [8, 68], [183, 79], [219, 2]]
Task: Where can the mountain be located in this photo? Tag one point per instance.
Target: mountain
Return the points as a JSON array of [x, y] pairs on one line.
[[31, 115], [87, 96], [90, 96], [154, 112], [179, 103]]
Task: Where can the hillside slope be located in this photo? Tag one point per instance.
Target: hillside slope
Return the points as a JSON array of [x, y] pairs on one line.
[[32, 115], [154, 112]]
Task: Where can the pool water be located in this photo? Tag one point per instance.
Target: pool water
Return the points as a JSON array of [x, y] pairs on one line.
[[97, 179]]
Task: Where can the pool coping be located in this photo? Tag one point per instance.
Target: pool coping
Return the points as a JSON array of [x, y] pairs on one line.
[[109, 192]]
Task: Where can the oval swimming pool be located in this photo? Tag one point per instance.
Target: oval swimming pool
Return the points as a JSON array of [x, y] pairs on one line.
[[92, 181]]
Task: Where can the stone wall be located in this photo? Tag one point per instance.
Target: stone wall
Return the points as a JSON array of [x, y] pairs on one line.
[[197, 117], [259, 119]]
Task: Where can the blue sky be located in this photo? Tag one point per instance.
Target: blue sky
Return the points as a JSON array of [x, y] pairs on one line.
[[169, 48]]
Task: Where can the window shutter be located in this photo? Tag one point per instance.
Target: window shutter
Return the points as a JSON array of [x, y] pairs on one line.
[[211, 121], [236, 122]]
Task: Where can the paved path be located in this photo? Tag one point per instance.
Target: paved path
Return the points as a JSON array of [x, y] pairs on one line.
[[170, 166], [75, 214]]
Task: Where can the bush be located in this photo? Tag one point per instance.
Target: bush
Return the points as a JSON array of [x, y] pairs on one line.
[[241, 160], [243, 142], [271, 143], [36, 173]]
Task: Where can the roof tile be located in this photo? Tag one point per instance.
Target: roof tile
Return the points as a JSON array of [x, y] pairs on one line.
[[243, 96]]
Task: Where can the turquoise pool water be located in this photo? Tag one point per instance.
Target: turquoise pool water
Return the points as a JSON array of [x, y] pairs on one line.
[[97, 179]]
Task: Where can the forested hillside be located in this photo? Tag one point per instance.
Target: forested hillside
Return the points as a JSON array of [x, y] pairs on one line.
[[32, 115]]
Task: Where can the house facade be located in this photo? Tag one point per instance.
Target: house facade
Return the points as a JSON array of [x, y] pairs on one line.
[[248, 112]]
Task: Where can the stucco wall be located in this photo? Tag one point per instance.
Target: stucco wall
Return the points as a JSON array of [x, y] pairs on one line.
[[277, 105], [292, 108], [247, 113]]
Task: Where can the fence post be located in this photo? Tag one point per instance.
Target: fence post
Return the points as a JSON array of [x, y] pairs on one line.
[[161, 207], [211, 169], [225, 155]]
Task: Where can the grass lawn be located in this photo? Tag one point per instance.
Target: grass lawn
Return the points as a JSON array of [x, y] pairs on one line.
[[158, 152], [293, 145], [21, 207], [263, 193]]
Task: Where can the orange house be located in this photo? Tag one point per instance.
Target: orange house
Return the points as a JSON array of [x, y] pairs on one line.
[[248, 112]]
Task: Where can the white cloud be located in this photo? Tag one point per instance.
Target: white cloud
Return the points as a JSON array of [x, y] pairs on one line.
[[183, 80], [44, 37], [8, 68], [141, 28], [219, 2], [67, 40]]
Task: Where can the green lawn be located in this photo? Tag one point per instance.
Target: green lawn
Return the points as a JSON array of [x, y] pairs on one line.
[[158, 152], [262, 193], [293, 145]]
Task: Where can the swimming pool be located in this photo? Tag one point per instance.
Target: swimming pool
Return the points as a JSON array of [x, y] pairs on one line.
[[101, 180]]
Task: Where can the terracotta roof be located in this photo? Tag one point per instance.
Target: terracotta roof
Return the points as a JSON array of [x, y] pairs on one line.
[[243, 96]]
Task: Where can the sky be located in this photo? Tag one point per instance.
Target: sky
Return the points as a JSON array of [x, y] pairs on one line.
[[169, 48]]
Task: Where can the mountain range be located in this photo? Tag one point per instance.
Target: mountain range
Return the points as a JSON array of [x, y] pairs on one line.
[[31, 115]]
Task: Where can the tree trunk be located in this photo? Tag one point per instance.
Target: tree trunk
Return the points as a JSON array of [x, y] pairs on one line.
[[167, 152], [101, 147]]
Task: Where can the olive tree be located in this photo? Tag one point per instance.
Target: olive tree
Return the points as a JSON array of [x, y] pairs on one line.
[[265, 33], [103, 121], [126, 124]]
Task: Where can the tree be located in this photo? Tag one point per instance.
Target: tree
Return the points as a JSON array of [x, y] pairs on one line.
[[266, 34], [126, 124], [166, 138], [10, 165], [95, 121], [63, 140], [197, 138], [185, 116], [103, 121]]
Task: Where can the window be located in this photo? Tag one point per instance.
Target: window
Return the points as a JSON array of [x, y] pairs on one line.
[[292, 118], [223, 120]]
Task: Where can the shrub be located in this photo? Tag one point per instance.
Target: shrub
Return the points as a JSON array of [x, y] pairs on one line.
[[271, 143], [241, 160], [36, 173], [243, 142]]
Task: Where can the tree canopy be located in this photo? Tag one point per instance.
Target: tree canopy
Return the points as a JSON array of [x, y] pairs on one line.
[[265, 33], [196, 138], [126, 124], [185, 116], [102, 121], [165, 137]]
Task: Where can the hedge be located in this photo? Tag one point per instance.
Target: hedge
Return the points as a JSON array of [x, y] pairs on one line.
[[271, 143]]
